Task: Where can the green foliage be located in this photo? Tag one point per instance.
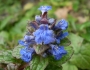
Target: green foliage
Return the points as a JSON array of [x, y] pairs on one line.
[[82, 58], [27, 68], [75, 5], [16, 52], [65, 42], [86, 36], [4, 36], [38, 63], [76, 42], [5, 22], [69, 66], [81, 55], [85, 25], [6, 57], [53, 67]]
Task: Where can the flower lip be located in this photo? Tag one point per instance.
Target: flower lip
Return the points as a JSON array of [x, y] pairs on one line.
[[57, 51], [26, 54], [44, 35], [62, 24]]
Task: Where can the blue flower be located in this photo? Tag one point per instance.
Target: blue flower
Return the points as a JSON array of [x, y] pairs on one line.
[[28, 40], [44, 8], [57, 52], [44, 35], [62, 24], [26, 54], [61, 36]]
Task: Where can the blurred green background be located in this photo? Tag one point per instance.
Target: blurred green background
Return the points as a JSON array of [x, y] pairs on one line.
[[15, 14]]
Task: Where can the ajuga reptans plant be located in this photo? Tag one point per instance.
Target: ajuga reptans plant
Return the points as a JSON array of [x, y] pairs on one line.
[[43, 37]]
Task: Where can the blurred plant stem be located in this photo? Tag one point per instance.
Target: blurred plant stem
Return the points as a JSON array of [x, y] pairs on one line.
[[89, 14], [2, 65], [74, 26], [22, 66]]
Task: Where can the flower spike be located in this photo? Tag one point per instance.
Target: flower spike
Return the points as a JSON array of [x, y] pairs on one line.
[[43, 37]]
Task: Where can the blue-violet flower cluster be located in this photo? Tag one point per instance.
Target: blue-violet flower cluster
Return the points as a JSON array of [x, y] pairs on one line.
[[43, 37]]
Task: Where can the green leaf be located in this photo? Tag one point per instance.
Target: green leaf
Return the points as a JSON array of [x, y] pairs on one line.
[[38, 63], [6, 57], [82, 58], [75, 5], [53, 67], [72, 25], [65, 42], [27, 68], [5, 22], [69, 66], [76, 41], [55, 3], [64, 59], [86, 36], [16, 51], [3, 36], [84, 25]]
